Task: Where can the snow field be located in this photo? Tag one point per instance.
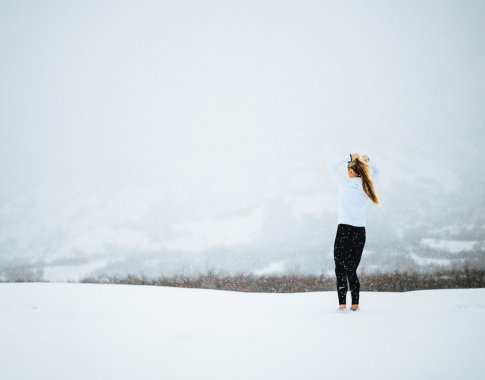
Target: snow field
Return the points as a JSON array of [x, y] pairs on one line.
[[97, 331]]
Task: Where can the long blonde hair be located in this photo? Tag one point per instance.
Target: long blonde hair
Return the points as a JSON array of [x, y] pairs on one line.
[[362, 169]]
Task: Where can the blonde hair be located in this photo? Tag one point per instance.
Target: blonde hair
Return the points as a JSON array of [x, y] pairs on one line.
[[362, 169]]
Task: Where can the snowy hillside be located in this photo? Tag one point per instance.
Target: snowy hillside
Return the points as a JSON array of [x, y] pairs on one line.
[[86, 331]]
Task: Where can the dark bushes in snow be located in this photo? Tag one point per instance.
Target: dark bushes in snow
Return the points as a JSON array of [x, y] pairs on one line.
[[293, 283]]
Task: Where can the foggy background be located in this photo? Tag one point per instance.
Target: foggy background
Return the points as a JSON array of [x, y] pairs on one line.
[[158, 137]]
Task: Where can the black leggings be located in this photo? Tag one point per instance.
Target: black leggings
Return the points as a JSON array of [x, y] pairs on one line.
[[348, 247]]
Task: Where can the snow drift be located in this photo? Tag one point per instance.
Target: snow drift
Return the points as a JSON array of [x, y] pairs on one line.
[[93, 331]]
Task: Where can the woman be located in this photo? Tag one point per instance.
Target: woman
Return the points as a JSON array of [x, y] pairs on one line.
[[355, 194]]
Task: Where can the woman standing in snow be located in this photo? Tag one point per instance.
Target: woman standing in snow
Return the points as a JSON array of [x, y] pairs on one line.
[[355, 193]]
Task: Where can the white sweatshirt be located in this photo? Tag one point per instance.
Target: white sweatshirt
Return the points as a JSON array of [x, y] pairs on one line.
[[353, 201]]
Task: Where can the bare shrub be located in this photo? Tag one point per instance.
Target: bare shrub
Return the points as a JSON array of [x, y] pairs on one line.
[[396, 281]]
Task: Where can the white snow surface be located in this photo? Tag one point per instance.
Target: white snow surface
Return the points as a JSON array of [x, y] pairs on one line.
[[97, 331]]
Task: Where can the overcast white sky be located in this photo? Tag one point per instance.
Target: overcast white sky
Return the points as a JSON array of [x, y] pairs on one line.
[[199, 107]]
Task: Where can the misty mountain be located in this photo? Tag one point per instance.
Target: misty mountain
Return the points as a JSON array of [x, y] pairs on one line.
[[68, 232], [163, 137]]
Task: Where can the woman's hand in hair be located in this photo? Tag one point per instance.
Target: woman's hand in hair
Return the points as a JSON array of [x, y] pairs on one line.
[[365, 157], [354, 156]]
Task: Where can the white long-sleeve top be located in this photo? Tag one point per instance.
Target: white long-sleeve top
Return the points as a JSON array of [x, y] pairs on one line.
[[353, 201]]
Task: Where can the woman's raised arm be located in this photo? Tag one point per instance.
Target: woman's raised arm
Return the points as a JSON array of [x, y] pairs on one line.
[[332, 169], [376, 173]]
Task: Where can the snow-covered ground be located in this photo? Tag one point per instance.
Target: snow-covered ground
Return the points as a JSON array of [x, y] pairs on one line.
[[91, 331]]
